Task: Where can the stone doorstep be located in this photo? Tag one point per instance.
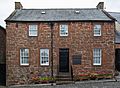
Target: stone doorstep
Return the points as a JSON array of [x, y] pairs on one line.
[[64, 82], [118, 77], [118, 80]]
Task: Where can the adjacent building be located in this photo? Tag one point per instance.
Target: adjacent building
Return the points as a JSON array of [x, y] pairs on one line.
[[2, 55], [116, 15]]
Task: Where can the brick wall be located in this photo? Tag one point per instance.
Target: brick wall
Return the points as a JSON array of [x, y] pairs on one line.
[[2, 45], [80, 40]]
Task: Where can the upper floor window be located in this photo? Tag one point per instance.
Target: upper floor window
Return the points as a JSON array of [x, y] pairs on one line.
[[97, 56], [24, 56], [33, 30], [44, 56], [97, 30], [63, 30]]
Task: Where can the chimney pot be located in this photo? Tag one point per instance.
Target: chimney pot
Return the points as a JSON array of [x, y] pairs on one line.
[[18, 5], [100, 5]]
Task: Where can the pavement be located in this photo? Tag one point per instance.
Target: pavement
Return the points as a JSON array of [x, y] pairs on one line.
[[2, 87], [76, 85], [85, 84]]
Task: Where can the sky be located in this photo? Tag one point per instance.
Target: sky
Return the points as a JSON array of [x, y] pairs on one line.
[[7, 6]]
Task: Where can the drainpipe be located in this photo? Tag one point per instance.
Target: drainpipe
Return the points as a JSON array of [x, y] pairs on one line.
[[51, 27]]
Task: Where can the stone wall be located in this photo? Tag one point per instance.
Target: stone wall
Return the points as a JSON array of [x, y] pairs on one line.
[[80, 40]]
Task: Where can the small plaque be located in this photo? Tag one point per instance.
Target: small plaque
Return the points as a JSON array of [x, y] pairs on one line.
[[76, 59]]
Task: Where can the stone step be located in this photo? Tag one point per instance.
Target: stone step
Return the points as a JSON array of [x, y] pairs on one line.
[[118, 77], [63, 76], [64, 79], [64, 82]]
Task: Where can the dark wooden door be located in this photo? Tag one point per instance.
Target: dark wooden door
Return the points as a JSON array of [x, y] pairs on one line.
[[64, 60], [2, 74], [117, 59]]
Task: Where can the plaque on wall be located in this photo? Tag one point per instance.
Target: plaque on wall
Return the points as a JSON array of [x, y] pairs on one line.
[[76, 59]]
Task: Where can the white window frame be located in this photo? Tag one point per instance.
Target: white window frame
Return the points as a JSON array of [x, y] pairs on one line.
[[33, 30], [63, 27], [97, 55], [43, 56], [23, 56], [97, 30]]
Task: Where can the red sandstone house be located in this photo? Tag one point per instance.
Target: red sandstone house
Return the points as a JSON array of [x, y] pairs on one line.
[[71, 43], [2, 56]]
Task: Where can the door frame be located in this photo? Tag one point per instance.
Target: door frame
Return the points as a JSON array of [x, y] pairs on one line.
[[68, 61]]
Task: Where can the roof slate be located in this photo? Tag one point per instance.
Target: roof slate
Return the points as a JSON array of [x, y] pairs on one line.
[[58, 15]]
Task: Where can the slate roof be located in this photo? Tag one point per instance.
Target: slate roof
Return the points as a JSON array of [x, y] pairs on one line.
[[92, 14], [116, 15]]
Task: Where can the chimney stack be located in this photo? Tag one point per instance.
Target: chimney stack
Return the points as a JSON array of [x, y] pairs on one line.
[[18, 5], [100, 5]]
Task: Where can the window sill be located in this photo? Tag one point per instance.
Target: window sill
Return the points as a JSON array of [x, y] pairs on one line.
[[63, 35], [44, 65], [33, 35], [97, 35], [24, 65], [96, 64]]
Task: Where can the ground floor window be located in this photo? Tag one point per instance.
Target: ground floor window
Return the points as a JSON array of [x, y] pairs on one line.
[[44, 56], [97, 56], [24, 54]]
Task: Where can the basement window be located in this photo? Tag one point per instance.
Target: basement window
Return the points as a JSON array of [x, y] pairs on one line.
[[33, 30]]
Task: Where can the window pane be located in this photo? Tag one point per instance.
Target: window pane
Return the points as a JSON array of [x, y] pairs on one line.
[[22, 59], [46, 59], [21, 54], [26, 60]]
